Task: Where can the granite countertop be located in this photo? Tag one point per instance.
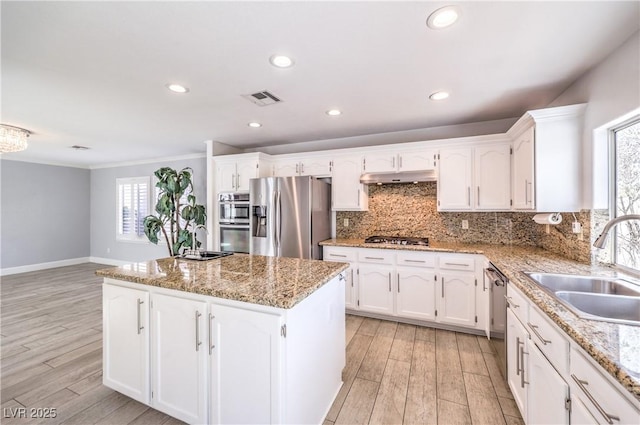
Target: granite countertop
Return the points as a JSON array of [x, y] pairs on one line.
[[271, 281], [614, 346]]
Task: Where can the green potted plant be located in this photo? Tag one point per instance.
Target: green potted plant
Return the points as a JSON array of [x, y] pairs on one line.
[[175, 213]]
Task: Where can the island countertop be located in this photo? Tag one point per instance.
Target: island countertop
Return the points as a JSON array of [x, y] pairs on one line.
[[270, 281], [614, 346]]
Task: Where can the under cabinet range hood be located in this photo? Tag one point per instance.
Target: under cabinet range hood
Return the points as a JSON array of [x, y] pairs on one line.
[[402, 177]]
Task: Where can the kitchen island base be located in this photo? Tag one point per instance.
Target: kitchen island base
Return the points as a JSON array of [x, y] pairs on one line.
[[203, 359]]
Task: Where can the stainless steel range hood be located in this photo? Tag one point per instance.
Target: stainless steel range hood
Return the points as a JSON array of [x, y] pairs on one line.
[[402, 177]]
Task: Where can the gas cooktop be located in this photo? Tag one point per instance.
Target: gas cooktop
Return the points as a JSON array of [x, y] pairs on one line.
[[397, 240]]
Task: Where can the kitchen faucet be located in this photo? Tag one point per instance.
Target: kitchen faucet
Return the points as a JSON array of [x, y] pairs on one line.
[[193, 236], [602, 239]]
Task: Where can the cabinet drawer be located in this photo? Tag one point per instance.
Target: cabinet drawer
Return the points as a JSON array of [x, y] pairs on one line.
[[416, 259], [376, 256], [457, 262], [332, 253], [597, 393], [518, 303], [550, 341]]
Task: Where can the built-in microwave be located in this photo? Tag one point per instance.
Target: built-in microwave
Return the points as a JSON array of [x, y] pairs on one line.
[[233, 208]]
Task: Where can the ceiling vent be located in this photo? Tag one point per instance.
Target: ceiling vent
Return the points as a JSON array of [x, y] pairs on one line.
[[262, 98], [79, 148]]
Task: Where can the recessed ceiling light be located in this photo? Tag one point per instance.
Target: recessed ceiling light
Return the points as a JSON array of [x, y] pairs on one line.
[[443, 17], [334, 112], [177, 88], [254, 125], [281, 61], [439, 95]]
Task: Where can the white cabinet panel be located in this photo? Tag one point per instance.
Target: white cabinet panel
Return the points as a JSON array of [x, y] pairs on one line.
[[523, 177], [517, 371], [246, 170], [286, 168], [454, 179], [179, 357], [416, 293], [547, 392], [493, 177], [126, 341], [317, 167], [347, 191], [245, 366], [418, 160], [380, 162], [375, 285], [226, 173], [457, 303]]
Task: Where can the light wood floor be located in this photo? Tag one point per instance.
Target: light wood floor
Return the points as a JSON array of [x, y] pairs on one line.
[[51, 357]]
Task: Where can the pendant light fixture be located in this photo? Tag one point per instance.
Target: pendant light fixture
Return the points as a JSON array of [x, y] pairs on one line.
[[13, 139]]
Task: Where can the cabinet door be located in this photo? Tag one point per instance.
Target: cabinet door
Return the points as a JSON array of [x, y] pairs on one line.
[[417, 160], [226, 176], [179, 357], [246, 170], [416, 293], [350, 289], [493, 177], [125, 314], [317, 167], [380, 162], [286, 168], [523, 171], [580, 415], [245, 373], [517, 372], [347, 192], [375, 285], [547, 391], [457, 301], [454, 180]]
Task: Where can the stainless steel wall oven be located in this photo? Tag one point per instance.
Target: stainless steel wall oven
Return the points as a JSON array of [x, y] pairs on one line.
[[233, 222]]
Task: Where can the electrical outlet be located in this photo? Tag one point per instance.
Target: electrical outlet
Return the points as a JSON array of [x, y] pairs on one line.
[[576, 227], [346, 222], [465, 224]]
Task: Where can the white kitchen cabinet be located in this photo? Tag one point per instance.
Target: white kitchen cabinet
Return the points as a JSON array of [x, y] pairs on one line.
[[455, 179], [417, 160], [348, 194], [179, 357], [580, 414], [348, 255], [548, 394], [547, 160], [380, 162], [125, 313], [493, 177], [457, 298], [416, 293], [517, 361], [375, 285], [286, 168], [311, 166], [233, 172], [246, 347], [394, 161]]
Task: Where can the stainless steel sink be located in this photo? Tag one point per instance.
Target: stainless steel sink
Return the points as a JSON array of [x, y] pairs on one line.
[[594, 297], [591, 284], [616, 308]]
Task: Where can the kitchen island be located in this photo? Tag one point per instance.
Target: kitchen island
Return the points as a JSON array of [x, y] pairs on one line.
[[240, 339]]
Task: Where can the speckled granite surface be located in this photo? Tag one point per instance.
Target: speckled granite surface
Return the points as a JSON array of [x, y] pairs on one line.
[[270, 281], [615, 347]]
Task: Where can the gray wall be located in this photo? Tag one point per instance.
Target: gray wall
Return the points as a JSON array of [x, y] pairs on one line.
[[103, 209], [45, 213]]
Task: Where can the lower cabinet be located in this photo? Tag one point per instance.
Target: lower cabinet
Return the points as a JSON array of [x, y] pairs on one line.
[[245, 352], [517, 372], [457, 299], [548, 401], [416, 293], [179, 357], [125, 350], [375, 288]]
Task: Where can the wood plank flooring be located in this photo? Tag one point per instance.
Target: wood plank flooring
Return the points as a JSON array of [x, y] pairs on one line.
[[51, 357]]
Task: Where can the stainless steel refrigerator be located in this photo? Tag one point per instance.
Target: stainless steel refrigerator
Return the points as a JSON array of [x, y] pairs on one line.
[[289, 216]]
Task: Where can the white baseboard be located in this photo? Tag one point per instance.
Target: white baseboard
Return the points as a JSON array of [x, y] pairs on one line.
[[109, 261], [43, 266]]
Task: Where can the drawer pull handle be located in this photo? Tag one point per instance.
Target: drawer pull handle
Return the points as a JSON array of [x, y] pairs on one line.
[[582, 384], [534, 328], [510, 303], [522, 353], [389, 281], [374, 258], [442, 287], [338, 255], [457, 264], [415, 261], [198, 342], [140, 327]]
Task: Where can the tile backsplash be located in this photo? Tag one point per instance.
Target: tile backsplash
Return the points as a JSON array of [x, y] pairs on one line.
[[411, 210]]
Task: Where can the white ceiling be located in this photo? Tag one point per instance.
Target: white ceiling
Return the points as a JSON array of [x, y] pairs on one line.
[[94, 73]]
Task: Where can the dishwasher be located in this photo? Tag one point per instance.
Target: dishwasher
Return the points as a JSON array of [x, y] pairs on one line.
[[497, 281]]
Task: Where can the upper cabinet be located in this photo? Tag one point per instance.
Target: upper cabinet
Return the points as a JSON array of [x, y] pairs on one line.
[[547, 159], [233, 172], [394, 161], [348, 194], [476, 177], [316, 166]]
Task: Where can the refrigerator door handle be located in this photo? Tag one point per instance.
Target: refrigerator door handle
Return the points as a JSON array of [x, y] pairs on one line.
[[278, 221]]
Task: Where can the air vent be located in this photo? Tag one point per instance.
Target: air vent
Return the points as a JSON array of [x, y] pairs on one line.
[[262, 98], [79, 148]]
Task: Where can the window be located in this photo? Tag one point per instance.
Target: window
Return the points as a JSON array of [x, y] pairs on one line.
[[132, 208], [626, 235]]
